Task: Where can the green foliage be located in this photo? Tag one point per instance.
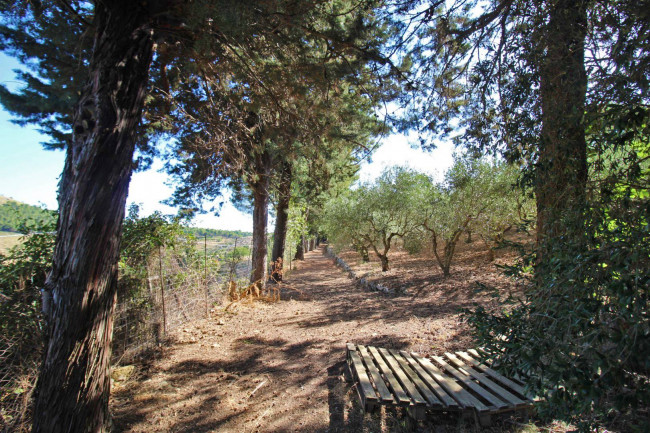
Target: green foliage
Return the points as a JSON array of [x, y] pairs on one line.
[[54, 42], [198, 232], [236, 254], [288, 91], [142, 236], [297, 228], [582, 334], [414, 242], [507, 207], [477, 195], [13, 215], [23, 272], [373, 215], [51, 45], [143, 240], [411, 206]]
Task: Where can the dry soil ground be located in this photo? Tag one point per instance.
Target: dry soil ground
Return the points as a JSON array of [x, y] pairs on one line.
[[277, 367]]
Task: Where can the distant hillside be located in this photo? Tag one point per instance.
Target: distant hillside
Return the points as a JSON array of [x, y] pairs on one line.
[[213, 233], [14, 213]]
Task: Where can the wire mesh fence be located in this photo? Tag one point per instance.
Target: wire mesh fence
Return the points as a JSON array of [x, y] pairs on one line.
[[177, 291], [180, 287]]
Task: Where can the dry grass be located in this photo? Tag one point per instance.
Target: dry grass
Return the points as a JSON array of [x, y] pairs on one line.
[[9, 240]]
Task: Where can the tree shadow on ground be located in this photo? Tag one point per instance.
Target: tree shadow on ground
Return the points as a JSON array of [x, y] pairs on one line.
[[284, 361]]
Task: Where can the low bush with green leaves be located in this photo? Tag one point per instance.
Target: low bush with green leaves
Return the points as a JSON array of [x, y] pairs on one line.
[[581, 333], [23, 271]]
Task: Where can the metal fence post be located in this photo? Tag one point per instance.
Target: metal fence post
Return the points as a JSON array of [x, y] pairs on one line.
[[233, 262], [162, 291], [205, 276]]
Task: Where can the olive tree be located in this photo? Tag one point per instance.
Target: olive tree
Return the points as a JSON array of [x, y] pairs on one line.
[[508, 207], [472, 193], [375, 214]]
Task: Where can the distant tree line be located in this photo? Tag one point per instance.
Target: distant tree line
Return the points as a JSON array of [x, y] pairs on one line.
[[213, 233], [14, 214]]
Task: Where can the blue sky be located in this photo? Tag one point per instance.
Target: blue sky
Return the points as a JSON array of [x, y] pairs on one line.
[[30, 174]]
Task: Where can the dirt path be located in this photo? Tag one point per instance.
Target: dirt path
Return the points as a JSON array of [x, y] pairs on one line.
[[278, 367]]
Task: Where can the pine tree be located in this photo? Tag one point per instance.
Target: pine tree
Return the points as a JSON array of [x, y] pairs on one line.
[[54, 46], [270, 112], [73, 386]]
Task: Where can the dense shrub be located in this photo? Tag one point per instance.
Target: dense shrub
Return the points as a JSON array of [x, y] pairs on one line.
[[582, 333], [22, 275]]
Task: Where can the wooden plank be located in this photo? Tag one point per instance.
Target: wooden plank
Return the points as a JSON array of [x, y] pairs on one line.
[[469, 383], [398, 392], [421, 386], [384, 393], [440, 392], [482, 379], [515, 387], [482, 352], [460, 394], [366, 391], [403, 378], [479, 357]]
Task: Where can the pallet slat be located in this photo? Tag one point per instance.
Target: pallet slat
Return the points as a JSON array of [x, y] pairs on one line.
[[366, 391], [393, 384], [413, 376], [403, 379], [518, 389], [464, 398], [384, 393], [469, 383], [482, 379], [475, 353], [440, 392]]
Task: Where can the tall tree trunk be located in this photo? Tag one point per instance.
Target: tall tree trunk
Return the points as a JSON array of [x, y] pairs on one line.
[[281, 220], [260, 187], [300, 251], [74, 384], [384, 263], [562, 167]]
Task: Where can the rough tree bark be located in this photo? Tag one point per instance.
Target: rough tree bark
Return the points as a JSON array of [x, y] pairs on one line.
[[301, 248], [74, 384], [260, 186], [300, 251], [562, 167], [449, 249], [383, 256], [281, 219]]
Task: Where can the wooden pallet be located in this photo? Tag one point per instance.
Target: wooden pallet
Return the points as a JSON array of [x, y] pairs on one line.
[[450, 383]]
